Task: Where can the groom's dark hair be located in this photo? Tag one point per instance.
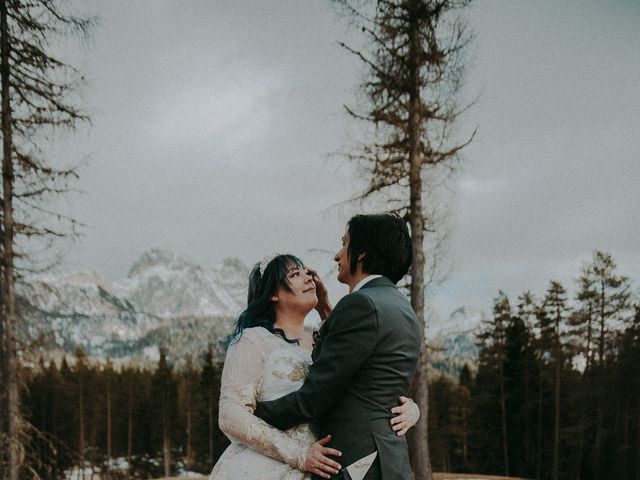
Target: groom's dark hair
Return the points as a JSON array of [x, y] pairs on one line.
[[384, 239]]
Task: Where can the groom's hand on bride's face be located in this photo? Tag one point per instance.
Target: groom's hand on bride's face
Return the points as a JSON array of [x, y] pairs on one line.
[[323, 306], [317, 461]]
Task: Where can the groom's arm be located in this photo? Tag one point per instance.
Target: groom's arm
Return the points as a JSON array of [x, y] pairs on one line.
[[350, 339]]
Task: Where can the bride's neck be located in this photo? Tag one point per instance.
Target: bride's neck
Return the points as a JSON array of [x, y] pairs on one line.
[[291, 323]]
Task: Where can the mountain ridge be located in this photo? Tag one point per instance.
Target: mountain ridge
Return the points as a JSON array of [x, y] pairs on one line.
[[170, 301]]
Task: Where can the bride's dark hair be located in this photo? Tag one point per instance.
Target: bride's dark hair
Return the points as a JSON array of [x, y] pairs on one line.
[[260, 310]]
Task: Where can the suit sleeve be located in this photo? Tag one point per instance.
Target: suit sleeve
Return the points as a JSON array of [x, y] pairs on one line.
[[350, 339]]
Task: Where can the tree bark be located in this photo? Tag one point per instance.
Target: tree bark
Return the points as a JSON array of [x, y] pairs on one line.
[[503, 415], [586, 390], [189, 413], [166, 449], [8, 283], [418, 445], [211, 420], [556, 430], [81, 432], [539, 432], [130, 421], [603, 320], [109, 432]]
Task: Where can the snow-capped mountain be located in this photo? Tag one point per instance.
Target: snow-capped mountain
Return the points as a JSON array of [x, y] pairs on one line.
[[170, 301], [166, 286], [165, 300], [453, 340]]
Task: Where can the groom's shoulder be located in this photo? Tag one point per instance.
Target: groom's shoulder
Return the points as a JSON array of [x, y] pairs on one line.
[[380, 289], [355, 300]]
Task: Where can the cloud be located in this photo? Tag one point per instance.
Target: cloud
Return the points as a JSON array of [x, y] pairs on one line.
[[213, 122]]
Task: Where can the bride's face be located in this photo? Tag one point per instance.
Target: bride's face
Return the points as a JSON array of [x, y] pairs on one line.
[[303, 291]]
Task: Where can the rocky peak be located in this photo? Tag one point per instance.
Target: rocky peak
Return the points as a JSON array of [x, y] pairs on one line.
[[158, 257]]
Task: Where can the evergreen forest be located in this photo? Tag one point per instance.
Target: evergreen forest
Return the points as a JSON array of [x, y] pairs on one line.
[[555, 394]]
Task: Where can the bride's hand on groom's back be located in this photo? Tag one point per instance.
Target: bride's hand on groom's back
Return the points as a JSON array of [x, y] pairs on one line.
[[406, 416], [317, 461]]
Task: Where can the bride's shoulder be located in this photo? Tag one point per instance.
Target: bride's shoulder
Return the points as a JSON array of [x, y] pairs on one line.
[[253, 335]]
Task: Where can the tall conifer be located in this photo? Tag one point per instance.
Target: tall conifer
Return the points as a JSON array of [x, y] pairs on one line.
[[556, 312], [36, 97], [415, 69]]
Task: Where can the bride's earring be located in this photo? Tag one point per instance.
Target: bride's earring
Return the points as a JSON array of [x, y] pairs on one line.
[[274, 298]]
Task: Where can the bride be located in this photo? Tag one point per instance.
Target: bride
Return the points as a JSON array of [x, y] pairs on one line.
[[269, 357]]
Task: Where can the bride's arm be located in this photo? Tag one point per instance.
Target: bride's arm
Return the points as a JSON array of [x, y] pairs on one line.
[[240, 385]]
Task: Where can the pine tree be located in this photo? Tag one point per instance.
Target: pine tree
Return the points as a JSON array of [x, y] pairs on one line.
[[129, 382], [526, 312], [464, 393], [582, 320], [189, 400], [556, 312], [35, 98], [164, 395], [415, 70], [492, 358], [109, 378], [612, 310], [518, 366], [612, 301], [581, 327], [543, 346], [82, 375], [210, 387], [628, 386]]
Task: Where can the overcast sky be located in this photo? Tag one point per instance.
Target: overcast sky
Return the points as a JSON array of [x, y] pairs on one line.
[[212, 123]]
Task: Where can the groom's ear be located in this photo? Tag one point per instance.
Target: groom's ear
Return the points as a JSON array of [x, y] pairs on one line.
[[361, 256]]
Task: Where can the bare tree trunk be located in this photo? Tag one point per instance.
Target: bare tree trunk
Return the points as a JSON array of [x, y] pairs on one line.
[[585, 392], [3, 375], [130, 422], [189, 458], [603, 320], [637, 455], [583, 423], [465, 446], [109, 432], [589, 359], [539, 432], [527, 429], [8, 284], [503, 418], [3, 397], [556, 430], [211, 420], [166, 449], [419, 444], [626, 449], [598, 441], [81, 433]]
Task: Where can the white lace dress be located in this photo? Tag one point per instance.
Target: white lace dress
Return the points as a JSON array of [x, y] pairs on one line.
[[261, 366]]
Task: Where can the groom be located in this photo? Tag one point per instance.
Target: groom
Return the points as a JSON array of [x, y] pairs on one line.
[[364, 359]]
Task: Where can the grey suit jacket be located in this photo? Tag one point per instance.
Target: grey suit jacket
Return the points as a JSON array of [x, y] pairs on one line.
[[367, 356]]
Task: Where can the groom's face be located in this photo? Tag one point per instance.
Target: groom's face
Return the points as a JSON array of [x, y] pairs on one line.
[[342, 257]]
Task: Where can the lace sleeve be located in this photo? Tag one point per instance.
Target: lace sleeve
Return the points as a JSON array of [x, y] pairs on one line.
[[241, 382]]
